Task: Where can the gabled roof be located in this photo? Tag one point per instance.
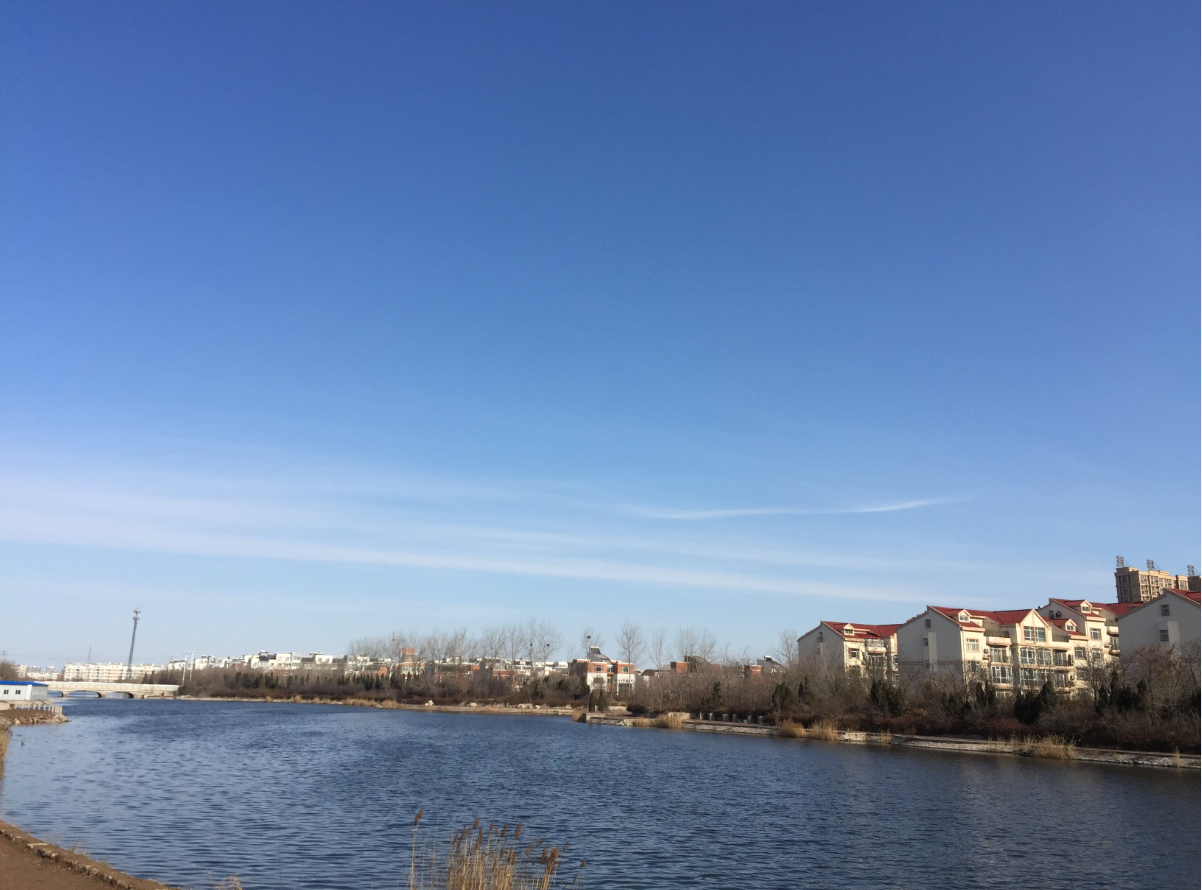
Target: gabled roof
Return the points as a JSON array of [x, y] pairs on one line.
[[1012, 616], [1060, 622], [1121, 609], [954, 615], [862, 631], [1191, 596], [1113, 608]]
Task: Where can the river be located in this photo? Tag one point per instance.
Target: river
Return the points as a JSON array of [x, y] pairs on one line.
[[301, 797]]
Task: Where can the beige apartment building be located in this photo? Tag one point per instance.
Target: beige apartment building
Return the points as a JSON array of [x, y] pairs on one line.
[[1017, 649], [871, 648], [1132, 585]]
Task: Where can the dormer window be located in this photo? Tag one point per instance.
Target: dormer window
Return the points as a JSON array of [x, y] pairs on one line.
[[848, 630], [964, 616], [1086, 608], [1069, 626]]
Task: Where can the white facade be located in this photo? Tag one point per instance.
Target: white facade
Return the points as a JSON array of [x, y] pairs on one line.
[[850, 646], [1170, 621], [19, 691], [1012, 649], [113, 672]]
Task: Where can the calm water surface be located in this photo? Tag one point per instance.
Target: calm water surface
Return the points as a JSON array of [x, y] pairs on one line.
[[303, 796]]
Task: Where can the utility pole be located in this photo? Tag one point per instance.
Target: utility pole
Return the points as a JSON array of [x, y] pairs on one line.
[[129, 667]]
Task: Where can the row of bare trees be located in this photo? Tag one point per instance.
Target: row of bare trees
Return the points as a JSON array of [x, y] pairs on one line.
[[537, 640]]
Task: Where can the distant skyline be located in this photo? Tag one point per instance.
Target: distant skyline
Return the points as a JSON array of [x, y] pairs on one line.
[[321, 321]]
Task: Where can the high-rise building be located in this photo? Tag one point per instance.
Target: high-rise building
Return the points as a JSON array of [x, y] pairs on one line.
[[1134, 585]]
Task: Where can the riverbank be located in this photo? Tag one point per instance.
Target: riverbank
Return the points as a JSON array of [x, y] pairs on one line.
[[993, 747], [521, 710], [27, 863]]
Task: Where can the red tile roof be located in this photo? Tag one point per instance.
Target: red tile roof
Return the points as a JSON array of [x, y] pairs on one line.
[[865, 631]]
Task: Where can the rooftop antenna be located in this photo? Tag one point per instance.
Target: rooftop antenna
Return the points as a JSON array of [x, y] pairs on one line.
[[1120, 562], [1190, 570], [1151, 565], [129, 667]]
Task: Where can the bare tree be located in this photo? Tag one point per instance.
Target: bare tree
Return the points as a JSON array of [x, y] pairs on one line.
[[630, 642], [491, 642], [656, 646], [371, 647], [456, 646], [686, 643], [786, 646], [548, 638], [693, 644], [514, 642], [588, 638]]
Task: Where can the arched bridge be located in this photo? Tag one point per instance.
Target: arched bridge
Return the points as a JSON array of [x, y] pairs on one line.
[[122, 690]]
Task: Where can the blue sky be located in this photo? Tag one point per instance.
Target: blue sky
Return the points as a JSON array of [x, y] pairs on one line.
[[321, 320]]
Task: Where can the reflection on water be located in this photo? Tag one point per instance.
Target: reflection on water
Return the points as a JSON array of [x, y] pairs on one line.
[[305, 796]]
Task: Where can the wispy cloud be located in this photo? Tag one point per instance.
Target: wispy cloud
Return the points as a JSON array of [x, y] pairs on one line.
[[352, 518], [742, 512]]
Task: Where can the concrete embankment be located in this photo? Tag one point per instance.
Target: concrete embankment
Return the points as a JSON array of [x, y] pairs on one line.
[[31, 864], [999, 747]]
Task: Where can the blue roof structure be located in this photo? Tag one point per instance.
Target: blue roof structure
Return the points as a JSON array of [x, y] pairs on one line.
[[20, 683]]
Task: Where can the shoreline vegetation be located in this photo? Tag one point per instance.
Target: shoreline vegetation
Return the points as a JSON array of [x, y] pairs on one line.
[[1148, 701]]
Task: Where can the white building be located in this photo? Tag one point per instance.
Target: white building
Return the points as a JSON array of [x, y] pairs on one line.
[[14, 692], [1170, 621], [835, 645]]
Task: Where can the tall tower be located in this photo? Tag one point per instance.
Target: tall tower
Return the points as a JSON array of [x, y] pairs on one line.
[[129, 667]]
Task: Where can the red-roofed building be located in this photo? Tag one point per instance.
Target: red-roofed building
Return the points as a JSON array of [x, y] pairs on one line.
[[1094, 635], [842, 645], [1016, 648]]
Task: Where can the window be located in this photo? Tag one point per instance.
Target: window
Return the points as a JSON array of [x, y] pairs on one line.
[[819, 636], [974, 645], [1095, 633], [1026, 655], [1061, 659], [1164, 609], [924, 642], [998, 654], [1043, 656], [1035, 634], [928, 624], [853, 653], [1164, 636], [1002, 673], [1079, 652], [1028, 634], [972, 667]]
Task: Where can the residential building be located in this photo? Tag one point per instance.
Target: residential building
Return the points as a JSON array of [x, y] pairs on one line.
[[1170, 621], [1095, 623], [604, 673], [113, 672], [1134, 585], [834, 645], [1015, 649]]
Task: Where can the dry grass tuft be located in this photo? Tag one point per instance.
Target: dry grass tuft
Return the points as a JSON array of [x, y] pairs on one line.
[[790, 730], [1177, 758], [882, 738], [580, 715], [827, 730], [669, 721], [641, 723], [1053, 747], [6, 736], [492, 858]]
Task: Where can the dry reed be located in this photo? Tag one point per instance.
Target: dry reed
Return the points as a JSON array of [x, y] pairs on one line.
[[827, 730], [1053, 747], [492, 858], [669, 721], [790, 730]]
